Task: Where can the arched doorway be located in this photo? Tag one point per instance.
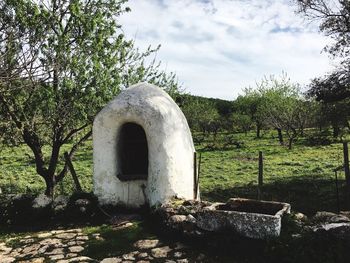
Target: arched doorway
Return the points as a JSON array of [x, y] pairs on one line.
[[133, 153]]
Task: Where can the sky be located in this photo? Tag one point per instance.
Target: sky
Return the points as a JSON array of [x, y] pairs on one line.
[[219, 47]]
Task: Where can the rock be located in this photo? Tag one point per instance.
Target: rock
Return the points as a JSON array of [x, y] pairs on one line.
[[143, 261], [82, 202], [41, 201], [296, 236], [191, 219], [72, 243], [5, 259], [328, 217], [130, 256], [338, 230], [27, 241], [111, 260], [177, 219], [82, 238], [66, 235], [300, 217], [160, 252], [60, 203], [38, 260], [142, 255], [71, 255], [55, 242], [14, 254], [76, 259], [4, 249], [167, 211], [184, 210], [146, 243], [76, 249], [178, 254], [55, 251], [58, 231], [76, 230], [97, 236], [126, 225], [184, 260], [345, 213], [44, 235], [31, 249], [83, 205], [56, 257]]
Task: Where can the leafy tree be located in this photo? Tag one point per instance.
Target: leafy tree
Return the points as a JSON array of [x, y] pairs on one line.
[[249, 104], [283, 108], [242, 121], [201, 114], [332, 90], [61, 61]]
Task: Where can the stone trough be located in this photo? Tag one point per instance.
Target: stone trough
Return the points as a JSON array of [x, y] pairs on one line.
[[247, 217]]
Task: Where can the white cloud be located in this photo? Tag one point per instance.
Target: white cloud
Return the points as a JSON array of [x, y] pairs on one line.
[[218, 47]]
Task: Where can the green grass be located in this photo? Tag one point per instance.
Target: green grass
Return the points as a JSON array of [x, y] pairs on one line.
[[18, 175], [303, 176]]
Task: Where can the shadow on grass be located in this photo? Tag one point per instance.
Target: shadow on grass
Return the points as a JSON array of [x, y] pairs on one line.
[[307, 195], [116, 242]]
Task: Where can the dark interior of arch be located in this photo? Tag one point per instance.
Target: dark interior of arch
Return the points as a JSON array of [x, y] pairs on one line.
[[133, 152]]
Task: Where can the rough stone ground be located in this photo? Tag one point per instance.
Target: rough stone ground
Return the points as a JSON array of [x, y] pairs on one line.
[[65, 246], [54, 246]]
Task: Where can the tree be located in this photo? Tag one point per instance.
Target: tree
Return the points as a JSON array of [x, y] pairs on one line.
[[332, 90], [61, 61], [201, 114], [249, 104], [334, 22], [242, 121], [283, 108]]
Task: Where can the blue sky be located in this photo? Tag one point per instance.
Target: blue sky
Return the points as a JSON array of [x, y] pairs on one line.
[[219, 47]]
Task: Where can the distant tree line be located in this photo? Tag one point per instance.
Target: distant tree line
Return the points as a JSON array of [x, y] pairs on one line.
[[275, 103]]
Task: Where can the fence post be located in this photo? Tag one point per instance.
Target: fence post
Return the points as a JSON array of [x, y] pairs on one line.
[[260, 175], [346, 164], [195, 175], [337, 189], [198, 173]]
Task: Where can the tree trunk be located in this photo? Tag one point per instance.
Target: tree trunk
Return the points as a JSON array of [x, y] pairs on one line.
[[290, 143], [50, 185], [336, 130], [258, 129], [280, 136]]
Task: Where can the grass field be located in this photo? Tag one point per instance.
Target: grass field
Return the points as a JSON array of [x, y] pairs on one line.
[[302, 176]]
